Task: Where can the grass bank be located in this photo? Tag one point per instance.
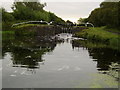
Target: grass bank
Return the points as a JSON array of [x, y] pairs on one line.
[[31, 25], [101, 35], [7, 35]]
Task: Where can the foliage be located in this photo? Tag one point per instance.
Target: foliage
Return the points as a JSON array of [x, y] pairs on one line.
[[29, 25], [29, 11], [7, 35], [55, 19], [34, 5], [106, 15], [26, 10], [100, 35], [6, 16], [82, 20]]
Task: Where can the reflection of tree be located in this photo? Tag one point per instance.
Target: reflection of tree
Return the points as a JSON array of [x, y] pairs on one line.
[[27, 58], [27, 51], [77, 44], [100, 53], [104, 57]]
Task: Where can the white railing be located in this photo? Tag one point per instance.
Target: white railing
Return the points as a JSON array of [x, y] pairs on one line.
[[86, 24], [48, 23]]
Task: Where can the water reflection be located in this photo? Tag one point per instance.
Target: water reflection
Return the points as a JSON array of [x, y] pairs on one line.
[[27, 51], [103, 55], [69, 67]]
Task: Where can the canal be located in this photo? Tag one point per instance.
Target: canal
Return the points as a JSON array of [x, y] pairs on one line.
[[55, 62]]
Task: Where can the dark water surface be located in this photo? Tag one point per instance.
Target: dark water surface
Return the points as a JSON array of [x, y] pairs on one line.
[[55, 62]]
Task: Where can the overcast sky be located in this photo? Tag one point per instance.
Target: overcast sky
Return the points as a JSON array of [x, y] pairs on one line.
[[66, 9], [72, 10]]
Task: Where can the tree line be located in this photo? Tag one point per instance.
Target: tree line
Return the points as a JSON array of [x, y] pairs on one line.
[[108, 14], [32, 11]]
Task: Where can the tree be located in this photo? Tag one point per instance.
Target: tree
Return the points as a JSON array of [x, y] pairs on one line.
[[34, 5], [6, 17], [33, 11], [27, 10], [55, 18], [82, 20], [106, 15]]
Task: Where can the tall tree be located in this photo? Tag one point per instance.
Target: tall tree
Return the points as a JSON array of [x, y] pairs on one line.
[[26, 10], [106, 15]]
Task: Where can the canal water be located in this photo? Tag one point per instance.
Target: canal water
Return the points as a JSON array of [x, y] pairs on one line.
[[55, 62]]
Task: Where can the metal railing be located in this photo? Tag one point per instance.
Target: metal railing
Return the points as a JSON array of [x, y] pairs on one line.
[[29, 22]]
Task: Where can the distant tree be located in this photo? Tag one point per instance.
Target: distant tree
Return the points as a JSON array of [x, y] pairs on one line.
[[82, 20], [68, 21]]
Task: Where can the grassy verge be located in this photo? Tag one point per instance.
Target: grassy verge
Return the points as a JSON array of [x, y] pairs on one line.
[[7, 32], [114, 30], [29, 25], [7, 35], [101, 35]]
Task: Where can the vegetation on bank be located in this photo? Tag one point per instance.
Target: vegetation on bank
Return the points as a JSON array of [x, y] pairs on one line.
[[106, 20], [7, 35], [30, 25], [27, 11], [100, 35], [106, 15]]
